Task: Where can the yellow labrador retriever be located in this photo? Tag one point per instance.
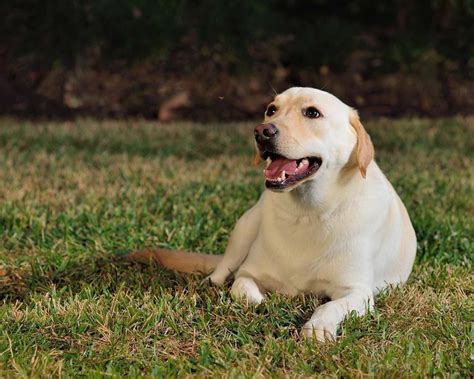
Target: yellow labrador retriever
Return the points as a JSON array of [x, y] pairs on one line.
[[329, 222]]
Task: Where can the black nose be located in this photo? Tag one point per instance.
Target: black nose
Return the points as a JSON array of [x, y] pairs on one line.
[[265, 133]]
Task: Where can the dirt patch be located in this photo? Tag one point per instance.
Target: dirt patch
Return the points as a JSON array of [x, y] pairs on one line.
[[184, 89]]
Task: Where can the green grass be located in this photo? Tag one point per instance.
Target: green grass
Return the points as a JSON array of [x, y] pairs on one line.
[[75, 195]]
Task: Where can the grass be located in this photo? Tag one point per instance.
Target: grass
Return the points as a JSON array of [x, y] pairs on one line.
[[76, 195]]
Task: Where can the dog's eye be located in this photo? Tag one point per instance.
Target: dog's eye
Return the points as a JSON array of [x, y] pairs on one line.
[[311, 112], [271, 110]]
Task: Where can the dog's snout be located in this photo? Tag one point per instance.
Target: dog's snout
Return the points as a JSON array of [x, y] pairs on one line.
[[265, 132]]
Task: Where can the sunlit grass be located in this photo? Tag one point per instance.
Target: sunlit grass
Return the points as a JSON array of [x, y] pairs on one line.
[[74, 196]]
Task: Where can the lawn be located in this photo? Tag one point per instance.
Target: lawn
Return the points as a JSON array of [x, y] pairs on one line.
[[75, 196]]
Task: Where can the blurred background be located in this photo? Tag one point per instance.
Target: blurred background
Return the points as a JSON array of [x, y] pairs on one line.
[[223, 60]]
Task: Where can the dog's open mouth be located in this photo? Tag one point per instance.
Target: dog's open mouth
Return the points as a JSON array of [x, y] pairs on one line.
[[282, 172]]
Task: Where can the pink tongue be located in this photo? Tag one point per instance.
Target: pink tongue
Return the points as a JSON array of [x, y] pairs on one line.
[[278, 165]]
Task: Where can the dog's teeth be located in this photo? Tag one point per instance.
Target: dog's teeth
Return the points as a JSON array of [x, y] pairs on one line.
[[282, 176], [269, 161], [305, 161]]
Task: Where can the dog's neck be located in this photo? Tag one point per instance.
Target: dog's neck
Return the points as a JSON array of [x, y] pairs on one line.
[[324, 195]]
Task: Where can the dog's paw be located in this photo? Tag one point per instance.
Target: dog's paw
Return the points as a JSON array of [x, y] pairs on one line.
[[215, 279], [322, 333], [246, 289]]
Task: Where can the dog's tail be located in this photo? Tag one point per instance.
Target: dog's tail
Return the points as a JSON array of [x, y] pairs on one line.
[[178, 260]]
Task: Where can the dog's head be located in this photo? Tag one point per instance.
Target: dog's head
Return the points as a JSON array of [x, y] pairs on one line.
[[308, 133]]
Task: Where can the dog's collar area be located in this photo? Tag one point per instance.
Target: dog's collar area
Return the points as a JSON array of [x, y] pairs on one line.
[[282, 172]]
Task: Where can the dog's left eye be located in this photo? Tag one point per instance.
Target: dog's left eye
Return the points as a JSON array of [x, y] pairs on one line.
[[311, 112]]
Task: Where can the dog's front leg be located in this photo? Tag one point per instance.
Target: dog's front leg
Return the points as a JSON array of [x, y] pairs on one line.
[[326, 319], [241, 239]]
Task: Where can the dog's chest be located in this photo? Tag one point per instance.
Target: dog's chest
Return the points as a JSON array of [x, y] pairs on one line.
[[290, 255]]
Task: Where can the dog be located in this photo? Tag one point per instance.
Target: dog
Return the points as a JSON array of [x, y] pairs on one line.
[[329, 222]]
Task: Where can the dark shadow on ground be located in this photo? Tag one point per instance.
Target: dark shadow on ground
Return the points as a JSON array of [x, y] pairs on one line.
[[100, 275]]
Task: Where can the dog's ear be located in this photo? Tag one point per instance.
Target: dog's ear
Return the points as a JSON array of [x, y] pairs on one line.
[[365, 148]]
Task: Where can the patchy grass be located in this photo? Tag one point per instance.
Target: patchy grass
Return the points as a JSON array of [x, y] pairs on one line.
[[75, 195]]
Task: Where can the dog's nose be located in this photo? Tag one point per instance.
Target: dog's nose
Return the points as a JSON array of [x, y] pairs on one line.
[[265, 132]]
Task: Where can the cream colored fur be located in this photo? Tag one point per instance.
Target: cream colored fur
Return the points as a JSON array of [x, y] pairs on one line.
[[343, 233]]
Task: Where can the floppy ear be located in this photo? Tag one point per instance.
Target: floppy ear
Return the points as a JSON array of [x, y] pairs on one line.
[[365, 148]]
